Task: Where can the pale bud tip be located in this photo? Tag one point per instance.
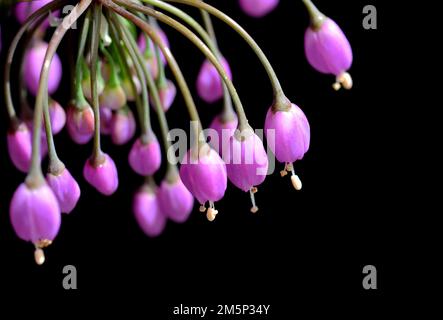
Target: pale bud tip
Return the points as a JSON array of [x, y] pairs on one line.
[[39, 256], [296, 182], [344, 80], [211, 214], [254, 209]]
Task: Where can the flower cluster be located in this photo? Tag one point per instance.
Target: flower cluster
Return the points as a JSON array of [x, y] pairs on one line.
[[119, 77]]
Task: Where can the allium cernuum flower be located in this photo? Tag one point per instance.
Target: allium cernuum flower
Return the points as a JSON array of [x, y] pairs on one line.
[[209, 82], [203, 173], [145, 156], [35, 216], [246, 162], [33, 63], [80, 122], [147, 211], [167, 92], [65, 188], [225, 128], [122, 126], [258, 8], [19, 146], [327, 48], [101, 173], [175, 200], [288, 134], [57, 115], [24, 9]]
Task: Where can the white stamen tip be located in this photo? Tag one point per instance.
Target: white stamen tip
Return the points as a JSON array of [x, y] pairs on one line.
[[283, 173], [296, 182], [345, 80], [254, 209], [39, 256], [202, 208], [336, 86], [211, 214]]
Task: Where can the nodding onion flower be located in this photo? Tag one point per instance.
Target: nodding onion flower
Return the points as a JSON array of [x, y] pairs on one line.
[[119, 78]]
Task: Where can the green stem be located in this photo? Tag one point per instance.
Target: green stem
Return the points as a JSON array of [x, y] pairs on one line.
[[55, 165], [39, 14], [317, 18], [243, 121], [113, 78], [168, 55], [97, 155], [80, 97], [35, 175], [143, 103], [171, 169], [280, 100]]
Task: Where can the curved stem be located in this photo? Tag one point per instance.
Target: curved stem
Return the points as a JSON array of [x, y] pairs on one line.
[[317, 18], [55, 165], [121, 54], [279, 96], [243, 121], [80, 97], [35, 176], [7, 73], [164, 128], [97, 156], [168, 55], [138, 69]]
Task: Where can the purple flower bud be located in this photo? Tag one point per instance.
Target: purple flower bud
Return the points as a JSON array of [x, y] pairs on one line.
[[328, 51], [25, 9], [225, 130], [113, 97], [102, 176], [80, 123], [122, 126], [209, 82], [33, 63], [145, 159], [291, 133], [204, 174], [65, 189], [35, 213], [175, 201], [142, 43], [247, 163], [258, 8], [105, 120], [167, 94], [147, 212], [57, 115], [20, 147]]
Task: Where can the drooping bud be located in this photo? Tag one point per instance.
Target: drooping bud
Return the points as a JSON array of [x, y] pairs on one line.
[[175, 200], [225, 129], [102, 174], [105, 120], [86, 82], [23, 10], [258, 8], [327, 48], [127, 87], [209, 82], [57, 115], [122, 126], [145, 157], [33, 64], [147, 212], [167, 92], [80, 120], [35, 216], [203, 173], [113, 97], [65, 188], [20, 147]]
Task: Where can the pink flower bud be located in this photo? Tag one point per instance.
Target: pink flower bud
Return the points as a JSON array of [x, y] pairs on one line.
[[113, 98], [122, 126], [145, 159], [102, 176], [35, 213], [176, 202], [20, 147], [80, 123], [258, 8], [167, 94], [57, 115], [65, 188], [105, 120], [209, 82], [33, 64], [225, 130], [147, 212]]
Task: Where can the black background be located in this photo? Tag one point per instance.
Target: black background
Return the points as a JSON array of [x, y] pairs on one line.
[[308, 246]]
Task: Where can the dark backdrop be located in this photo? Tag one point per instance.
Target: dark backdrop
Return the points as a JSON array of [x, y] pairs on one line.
[[301, 246]]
